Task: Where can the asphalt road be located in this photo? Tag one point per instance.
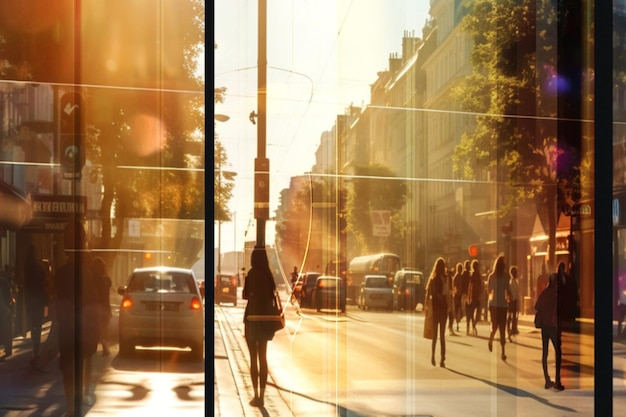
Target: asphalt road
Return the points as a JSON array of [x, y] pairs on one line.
[[376, 363]]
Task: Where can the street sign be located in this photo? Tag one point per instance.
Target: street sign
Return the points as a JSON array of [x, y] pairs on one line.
[[381, 223]]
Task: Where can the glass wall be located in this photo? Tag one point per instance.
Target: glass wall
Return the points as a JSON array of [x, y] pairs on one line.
[[101, 173], [442, 131]]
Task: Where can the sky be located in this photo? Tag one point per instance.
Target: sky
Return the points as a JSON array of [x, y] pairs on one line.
[[322, 56]]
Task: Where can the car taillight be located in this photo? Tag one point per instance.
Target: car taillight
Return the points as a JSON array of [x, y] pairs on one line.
[[196, 304], [127, 302], [233, 281], [406, 292]]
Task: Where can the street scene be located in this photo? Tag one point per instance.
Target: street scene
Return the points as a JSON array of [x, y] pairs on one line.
[[102, 208], [376, 363], [431, 188], [152, 381]]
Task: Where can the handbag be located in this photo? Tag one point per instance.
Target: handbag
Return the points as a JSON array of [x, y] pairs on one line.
[[278, 307], [274, 318], [428, 320]]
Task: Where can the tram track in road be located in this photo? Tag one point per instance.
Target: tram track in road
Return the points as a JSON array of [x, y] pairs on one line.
[[234, 385]]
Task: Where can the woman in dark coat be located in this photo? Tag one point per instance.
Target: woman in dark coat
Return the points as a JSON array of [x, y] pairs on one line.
[[36, 299], [548, 312], [103, 285], [498, 290], [259, 291], [438, 291], [476, 289]]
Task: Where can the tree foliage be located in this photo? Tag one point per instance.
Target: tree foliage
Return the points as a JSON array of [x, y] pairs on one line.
[[375, 187], [514, 90], [222, 183], [311, 203], [144, 101]]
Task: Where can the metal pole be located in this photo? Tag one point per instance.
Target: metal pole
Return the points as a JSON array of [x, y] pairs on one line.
[[219, 219], [78, 297], [261, 162]]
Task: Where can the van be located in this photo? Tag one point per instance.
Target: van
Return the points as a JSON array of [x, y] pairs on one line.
[[409, 290]]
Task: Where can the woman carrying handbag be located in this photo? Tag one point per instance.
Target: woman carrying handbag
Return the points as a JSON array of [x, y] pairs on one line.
[[437, 296], [261, 319]]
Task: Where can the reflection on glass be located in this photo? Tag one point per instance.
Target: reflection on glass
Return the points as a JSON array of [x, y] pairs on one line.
[[102, 128], [401, 132]]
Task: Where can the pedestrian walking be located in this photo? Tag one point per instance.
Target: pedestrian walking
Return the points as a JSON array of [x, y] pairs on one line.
[[456, 282], [498, 295], [511, 322], [438, 292], [465, 278], [294, 284], [7, 312], [476, 288], [450, 303], [259, 290], [35, 299], [78, 266], [548, 316], [568, 298], [103, 288]]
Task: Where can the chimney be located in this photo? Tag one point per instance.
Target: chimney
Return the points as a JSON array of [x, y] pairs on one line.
[[394, 63]]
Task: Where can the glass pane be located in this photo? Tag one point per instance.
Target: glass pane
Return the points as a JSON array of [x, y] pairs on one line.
[[101, 173], [380, 137]]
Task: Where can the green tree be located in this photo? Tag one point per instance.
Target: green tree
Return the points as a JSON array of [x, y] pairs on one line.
[[514, 89], [311, 203], [144, 100], [222, 182], [375, 187]]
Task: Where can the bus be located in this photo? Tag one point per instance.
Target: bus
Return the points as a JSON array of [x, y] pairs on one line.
[[377, 264], [336, 268]]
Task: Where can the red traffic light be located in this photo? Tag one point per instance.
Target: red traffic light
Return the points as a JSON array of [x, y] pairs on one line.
[[472, 250]]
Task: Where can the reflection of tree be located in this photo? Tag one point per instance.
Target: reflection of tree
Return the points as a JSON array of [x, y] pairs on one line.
[[374, 187], [309, 204], [144, 102], [515, 88]]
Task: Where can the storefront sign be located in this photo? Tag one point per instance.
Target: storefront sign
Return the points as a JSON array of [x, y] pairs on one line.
[[52, 212]]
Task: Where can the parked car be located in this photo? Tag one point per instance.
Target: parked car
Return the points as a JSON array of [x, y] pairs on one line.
[[409, 290], [226, 288], [308, 288], [161, 306], [330, 293], [376, 292]]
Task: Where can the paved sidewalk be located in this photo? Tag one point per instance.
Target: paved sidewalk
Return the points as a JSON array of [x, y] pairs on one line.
[[29, 392]]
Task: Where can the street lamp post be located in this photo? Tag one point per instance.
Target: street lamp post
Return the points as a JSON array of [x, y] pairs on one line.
[[261, 162], [220, 118], [229, 175]]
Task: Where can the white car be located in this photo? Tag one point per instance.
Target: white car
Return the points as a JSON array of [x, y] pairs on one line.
[[161, 307]]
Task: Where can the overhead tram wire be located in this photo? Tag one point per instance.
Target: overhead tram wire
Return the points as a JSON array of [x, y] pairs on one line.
[[313, 86], [469, 113]]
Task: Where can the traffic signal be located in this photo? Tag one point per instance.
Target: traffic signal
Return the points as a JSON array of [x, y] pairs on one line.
[[71, 134], [261, 188]]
